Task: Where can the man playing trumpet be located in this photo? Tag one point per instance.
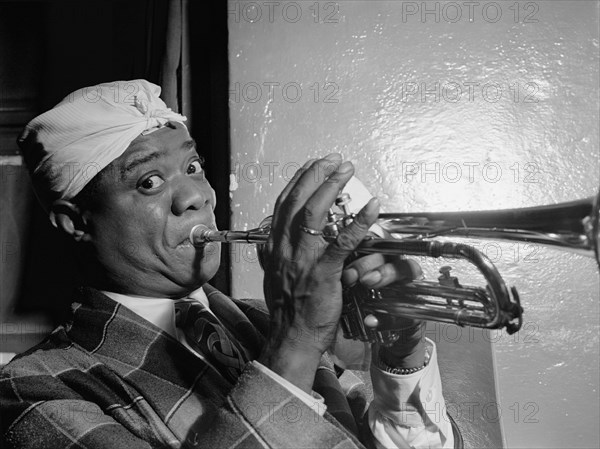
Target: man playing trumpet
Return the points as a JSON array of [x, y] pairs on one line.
[[153, 356]]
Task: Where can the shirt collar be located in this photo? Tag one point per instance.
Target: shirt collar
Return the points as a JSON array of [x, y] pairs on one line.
[[158, 311]]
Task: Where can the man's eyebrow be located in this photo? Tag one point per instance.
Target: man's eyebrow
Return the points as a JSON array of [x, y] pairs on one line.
[[185, 146], [139, 161], [189, 145]]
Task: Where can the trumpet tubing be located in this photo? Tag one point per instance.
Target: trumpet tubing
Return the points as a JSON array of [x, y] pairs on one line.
[[371, 315]]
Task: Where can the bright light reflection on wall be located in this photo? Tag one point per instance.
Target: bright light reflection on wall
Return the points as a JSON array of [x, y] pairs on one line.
[[541, 132]]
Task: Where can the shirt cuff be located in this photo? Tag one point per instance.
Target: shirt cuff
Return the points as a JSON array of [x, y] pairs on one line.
[[413, 400], [314, 400]]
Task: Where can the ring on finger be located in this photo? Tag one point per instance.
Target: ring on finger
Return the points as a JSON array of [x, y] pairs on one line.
[[310, 230]]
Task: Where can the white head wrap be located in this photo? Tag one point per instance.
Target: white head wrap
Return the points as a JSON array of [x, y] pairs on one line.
[[67, 146]]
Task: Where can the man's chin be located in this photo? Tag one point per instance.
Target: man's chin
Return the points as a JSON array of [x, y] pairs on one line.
[[194, 281], [193, 266], [208, 260]]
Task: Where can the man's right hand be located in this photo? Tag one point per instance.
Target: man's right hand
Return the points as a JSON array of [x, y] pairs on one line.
[[303, 273]]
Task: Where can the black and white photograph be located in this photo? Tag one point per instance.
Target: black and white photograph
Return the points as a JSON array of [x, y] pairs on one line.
[[302, 224]]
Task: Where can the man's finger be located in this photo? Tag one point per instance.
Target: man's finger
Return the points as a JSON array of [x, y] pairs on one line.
[[350, 276], [309, 181], [361, 266], [401, 270], [285, 192], [351, 236], [314, 213], [367, 263]]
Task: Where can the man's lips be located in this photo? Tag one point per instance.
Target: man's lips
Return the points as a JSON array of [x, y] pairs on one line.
[[185, 244]]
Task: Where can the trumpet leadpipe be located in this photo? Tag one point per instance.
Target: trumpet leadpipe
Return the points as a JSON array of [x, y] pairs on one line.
[[202, 234]]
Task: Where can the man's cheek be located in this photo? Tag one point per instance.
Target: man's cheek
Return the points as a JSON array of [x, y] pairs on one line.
[[129, 251], [154, 211]]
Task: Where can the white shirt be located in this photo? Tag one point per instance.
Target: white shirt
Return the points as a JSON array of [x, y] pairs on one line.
[[394, 421]]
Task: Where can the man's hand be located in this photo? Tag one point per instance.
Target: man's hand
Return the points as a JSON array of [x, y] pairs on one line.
[[376, 271], [303, 273]]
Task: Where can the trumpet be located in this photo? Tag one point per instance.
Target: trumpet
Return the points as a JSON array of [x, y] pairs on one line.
[[372, 315]]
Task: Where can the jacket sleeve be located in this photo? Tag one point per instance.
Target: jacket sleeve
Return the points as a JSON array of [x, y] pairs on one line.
[[38, 410], [260, 412]]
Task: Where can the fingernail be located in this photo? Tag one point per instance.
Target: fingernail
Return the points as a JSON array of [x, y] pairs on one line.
[[333, 157], [371, 278], [308, 163], [345, 167], [372, 204], [350, 276]]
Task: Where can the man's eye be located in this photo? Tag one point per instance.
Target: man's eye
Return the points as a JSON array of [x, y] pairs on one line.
[[152, 182], [194, 167]]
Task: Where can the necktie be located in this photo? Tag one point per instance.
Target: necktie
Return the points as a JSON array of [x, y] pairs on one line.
[[208, 336]]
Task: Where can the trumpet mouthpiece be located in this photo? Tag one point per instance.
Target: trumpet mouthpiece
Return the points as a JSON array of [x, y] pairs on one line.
[[200, 234]]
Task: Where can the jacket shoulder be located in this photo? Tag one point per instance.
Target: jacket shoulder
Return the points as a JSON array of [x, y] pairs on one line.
[[55, 354]]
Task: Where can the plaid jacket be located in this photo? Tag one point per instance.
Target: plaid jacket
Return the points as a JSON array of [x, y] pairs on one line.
[[110, 379]]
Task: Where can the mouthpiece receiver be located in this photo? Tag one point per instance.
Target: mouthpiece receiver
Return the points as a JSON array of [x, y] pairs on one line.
[[202, 234]]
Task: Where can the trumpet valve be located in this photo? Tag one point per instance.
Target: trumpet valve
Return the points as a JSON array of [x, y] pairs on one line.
[[371, 321], [342, 202], [331, 227], [446, 279]]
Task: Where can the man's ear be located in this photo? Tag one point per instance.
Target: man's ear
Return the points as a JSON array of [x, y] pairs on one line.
[[67, 217]]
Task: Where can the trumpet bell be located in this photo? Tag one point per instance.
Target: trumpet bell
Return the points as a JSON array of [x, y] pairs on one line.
[[573, 226]]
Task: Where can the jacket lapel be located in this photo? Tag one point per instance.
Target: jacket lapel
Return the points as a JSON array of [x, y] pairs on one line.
[[135, 349]]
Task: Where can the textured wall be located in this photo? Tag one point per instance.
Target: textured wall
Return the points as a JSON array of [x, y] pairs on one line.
[[441, 112]]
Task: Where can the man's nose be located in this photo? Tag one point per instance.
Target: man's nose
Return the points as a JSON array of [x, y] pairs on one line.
[[191, 194]]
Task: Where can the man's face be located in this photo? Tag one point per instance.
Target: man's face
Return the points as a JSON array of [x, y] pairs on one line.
[[144, 209]]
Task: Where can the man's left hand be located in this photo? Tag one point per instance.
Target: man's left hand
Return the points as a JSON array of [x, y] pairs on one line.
[[376, 271]]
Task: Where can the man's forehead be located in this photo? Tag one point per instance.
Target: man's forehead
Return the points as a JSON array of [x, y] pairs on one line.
[[146, 148], [159, 145], [162, 140]]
